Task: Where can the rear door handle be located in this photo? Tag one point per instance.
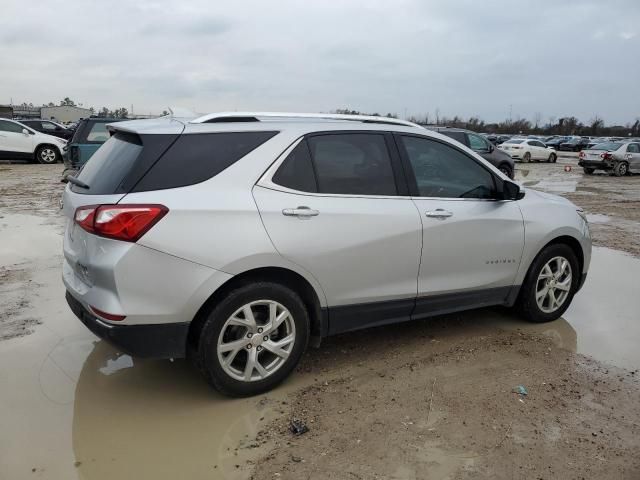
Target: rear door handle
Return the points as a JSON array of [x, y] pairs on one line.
[[439, 213], [300, 212]]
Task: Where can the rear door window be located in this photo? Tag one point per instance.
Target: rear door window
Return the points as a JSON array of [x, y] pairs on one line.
[[459, 136], [352, 164]]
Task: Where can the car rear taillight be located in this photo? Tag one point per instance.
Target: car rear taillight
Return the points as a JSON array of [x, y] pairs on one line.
[[120, 222], [107, 316], [581, 155], [606, 156]]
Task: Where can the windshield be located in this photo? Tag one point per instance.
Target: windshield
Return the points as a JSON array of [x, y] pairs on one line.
[[514, 141], [608, 146]]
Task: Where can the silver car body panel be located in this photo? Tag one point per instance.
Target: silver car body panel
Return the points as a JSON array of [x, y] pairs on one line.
[[358, 249]]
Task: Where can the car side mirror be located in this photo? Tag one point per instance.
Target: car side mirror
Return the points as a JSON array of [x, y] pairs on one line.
[[491, 147], [511, 191], [25, 131]]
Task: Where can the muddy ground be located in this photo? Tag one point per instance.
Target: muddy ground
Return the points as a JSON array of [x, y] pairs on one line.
[[431, 399]]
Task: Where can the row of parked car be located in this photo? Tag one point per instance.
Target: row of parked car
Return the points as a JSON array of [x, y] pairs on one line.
[[49, 142], [570, 143]]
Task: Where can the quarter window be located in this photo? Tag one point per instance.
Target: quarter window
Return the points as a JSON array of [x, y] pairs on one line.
[[633, 148], [296, 171], [352, 164], [443, 171]]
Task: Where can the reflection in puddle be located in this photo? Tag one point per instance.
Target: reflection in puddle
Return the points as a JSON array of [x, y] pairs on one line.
[[558, 186], [605, 313], [131, 417], [113, 366]]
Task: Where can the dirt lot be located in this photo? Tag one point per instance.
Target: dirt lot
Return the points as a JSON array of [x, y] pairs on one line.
[[434, 399]]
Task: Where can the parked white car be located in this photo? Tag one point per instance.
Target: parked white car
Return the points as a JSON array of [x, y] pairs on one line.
[[19, 141], [528, 149]]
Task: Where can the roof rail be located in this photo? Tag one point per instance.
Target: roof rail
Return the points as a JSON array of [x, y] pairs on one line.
[[224, 117]]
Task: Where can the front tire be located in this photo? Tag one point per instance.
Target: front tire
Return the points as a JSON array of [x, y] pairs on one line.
[[253, 339], [552, 158], [550, 284], [621, 169], [506, 169], [47, 155]]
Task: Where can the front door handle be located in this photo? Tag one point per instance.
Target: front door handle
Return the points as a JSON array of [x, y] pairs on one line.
[[300, 212], [439, 213]]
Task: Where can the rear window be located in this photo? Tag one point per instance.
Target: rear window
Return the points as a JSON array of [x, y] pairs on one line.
[[194, 158], [109, 165], [607, 146], [514, 141]]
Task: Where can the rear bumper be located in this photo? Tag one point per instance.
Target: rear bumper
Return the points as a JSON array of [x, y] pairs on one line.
[[601, 165], [166, 340]]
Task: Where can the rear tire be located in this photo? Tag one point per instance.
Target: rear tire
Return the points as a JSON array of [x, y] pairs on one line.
[[225, 368], [589, 171], [526, 158], [621, 169], [535, 303], [47, 155]]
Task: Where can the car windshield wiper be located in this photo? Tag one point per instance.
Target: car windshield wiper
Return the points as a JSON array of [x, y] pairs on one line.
[[77, 182]]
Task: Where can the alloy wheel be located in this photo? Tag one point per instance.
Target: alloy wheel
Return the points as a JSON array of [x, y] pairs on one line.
[[256, 340], [554, 284], [48, 155]]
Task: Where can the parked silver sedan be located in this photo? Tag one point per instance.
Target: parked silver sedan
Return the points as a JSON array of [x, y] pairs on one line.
[[619, 158]]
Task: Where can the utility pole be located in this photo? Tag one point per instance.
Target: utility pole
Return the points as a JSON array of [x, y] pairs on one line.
[[510, 112]]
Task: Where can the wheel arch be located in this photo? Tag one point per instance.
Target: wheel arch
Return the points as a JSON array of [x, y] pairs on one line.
[[45, 144], [283, 276], [563, 239]]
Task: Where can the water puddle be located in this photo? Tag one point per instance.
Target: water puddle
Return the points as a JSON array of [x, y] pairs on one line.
[[603, 320], [598, 218]]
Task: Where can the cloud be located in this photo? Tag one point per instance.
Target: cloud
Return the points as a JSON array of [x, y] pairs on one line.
[[463, 57]]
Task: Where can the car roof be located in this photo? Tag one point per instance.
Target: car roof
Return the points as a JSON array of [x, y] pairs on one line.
[[260, 121]]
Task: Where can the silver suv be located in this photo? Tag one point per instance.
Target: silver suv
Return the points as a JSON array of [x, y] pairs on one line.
[[238, 239]]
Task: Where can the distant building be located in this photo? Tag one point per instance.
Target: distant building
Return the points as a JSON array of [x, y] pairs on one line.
[[25, 111], [6, 111], [64, 113]]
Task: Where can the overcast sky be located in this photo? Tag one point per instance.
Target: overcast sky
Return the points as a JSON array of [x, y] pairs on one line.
[[467, 58]]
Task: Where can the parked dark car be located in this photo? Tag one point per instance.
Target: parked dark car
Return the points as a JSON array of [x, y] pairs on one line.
[[480, 145], [90, 134], [574, 144], [49, 127], [555, 142]]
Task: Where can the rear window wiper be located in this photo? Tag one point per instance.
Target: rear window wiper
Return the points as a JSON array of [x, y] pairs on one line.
[[76, 181]]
